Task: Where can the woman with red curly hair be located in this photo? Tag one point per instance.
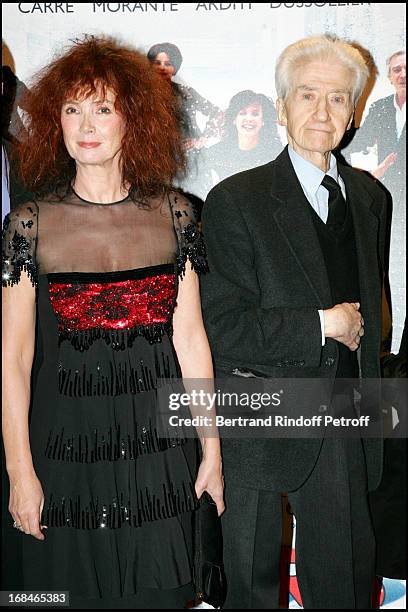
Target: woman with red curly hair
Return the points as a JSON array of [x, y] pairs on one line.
[[106, 259]]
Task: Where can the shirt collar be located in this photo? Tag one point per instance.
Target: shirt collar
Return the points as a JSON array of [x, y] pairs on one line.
[[309, 175]]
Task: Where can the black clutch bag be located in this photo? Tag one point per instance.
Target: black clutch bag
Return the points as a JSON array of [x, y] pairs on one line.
[[209, 577]]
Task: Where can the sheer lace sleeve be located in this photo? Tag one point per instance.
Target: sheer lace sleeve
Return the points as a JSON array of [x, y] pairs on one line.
[[19, 244], [190, 239]]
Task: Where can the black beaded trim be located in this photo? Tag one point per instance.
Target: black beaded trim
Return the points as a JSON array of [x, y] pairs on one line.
[[119, 340], [17, 252], [71, 512], [13, 277], [120, 379], [111, 445], [110, 277], [193, 249]]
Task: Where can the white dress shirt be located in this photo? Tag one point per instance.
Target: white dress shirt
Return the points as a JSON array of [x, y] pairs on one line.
[[400, 116]]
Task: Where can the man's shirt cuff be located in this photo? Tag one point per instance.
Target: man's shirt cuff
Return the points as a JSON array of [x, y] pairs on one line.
[[321, 315]]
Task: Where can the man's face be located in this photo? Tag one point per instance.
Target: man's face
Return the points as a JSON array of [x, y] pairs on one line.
[[397, 73], [318, 109]]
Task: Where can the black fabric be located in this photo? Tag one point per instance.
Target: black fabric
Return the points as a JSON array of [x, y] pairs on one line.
[[119, 493], [146, 599], [209, 576], [252, 529], [267, 280], [191, 103], [336, 203], [225, 159], [388, 506], [11, 566], [338, 245], [388, 503], [65, 233], [17, 190], [335, 545]]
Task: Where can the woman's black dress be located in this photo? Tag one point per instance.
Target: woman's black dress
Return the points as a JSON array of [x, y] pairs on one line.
[[225, 158], [118, 497]]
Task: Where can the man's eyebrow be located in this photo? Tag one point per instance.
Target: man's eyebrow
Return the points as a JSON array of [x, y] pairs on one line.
[[308, 88]]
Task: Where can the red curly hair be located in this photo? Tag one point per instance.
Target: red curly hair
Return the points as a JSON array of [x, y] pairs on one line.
[[151, 154]]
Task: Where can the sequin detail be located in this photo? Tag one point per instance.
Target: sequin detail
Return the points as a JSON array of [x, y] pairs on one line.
[[76, 513], [110, 445], [192, 247], [113, 379], [116, 312], [118, 340], [190, 239], [18, 250]]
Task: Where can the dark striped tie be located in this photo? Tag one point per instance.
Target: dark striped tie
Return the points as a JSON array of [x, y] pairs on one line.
[[337, 204]]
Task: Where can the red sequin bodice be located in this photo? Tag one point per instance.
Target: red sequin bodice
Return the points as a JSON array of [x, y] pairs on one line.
[[122, 301]]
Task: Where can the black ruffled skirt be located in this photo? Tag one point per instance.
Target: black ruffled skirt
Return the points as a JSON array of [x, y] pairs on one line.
[[119, 498]]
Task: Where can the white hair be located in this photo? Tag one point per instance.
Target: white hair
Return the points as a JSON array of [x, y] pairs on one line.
[[324, 48]]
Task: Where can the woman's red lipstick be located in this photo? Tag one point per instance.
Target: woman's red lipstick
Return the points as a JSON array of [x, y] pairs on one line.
[[89, 145]]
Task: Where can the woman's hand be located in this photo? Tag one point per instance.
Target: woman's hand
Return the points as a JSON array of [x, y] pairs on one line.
[[210, 479], [26, 504]]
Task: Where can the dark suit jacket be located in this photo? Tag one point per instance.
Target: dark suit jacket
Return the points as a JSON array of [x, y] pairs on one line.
[[380, 127], [261, 298]]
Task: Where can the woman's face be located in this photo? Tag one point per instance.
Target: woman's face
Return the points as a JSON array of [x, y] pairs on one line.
[[164, 66], [249, 120], [92, 129]]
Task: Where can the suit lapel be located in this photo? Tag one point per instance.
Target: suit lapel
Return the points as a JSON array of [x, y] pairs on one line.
[[366, 237], [294, 219]]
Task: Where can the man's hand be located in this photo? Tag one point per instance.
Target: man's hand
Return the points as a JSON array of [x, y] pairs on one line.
[[344, 323], [385, 164]]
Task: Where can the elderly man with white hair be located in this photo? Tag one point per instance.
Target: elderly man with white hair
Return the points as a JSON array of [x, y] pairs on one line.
[[296, 251]]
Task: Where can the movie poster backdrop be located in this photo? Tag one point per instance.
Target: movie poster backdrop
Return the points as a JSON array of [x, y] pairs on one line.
[[225, 55]]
